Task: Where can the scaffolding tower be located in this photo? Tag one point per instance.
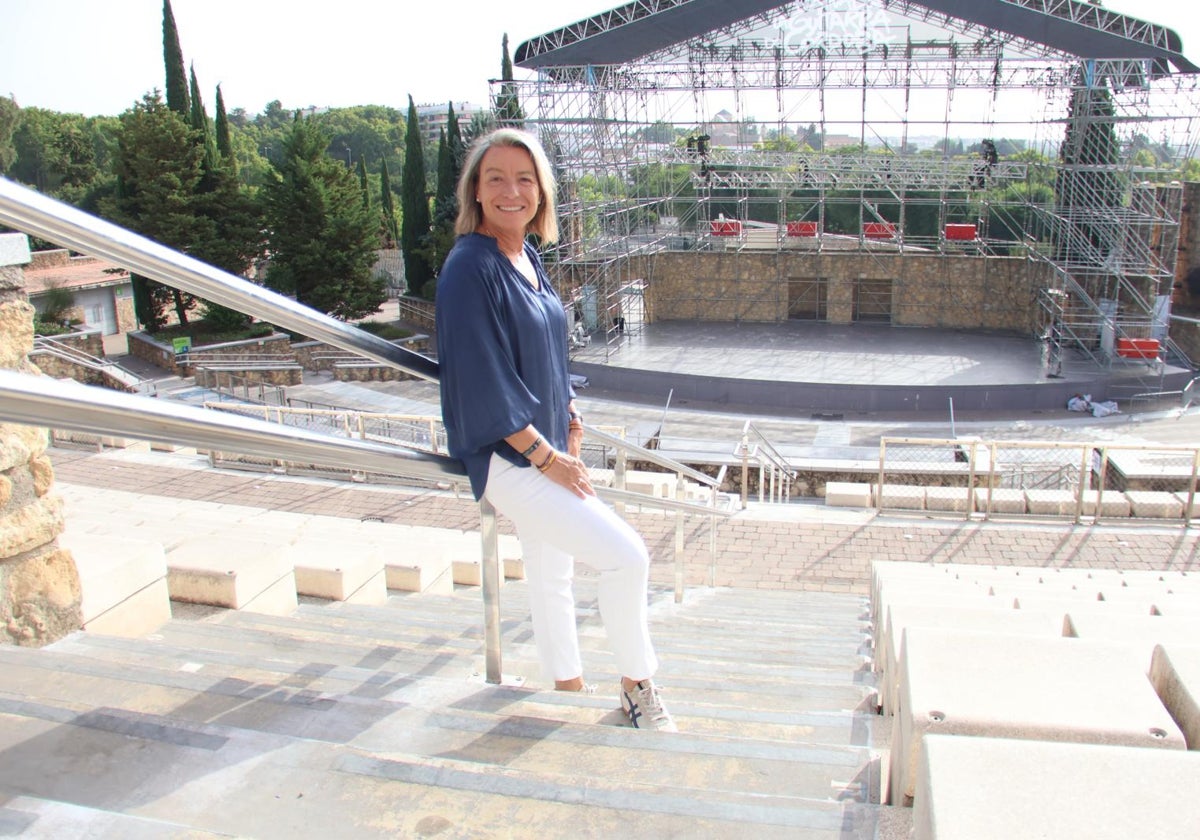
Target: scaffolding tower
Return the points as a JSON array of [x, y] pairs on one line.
[[881, 126]]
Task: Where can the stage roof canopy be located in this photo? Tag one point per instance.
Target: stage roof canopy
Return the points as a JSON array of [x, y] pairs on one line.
[[644, 27]]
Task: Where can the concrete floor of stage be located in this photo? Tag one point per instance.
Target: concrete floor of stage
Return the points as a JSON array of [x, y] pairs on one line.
[[858, 367]]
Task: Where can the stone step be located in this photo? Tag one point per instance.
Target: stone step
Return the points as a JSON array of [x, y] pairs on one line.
[[37, 818], [383, 705], [222, 778], [448, 717]]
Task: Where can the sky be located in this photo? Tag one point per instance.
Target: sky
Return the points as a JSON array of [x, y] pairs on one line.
[[99, 57]]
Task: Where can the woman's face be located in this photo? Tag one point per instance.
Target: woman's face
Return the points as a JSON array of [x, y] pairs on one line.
[[508, 191]]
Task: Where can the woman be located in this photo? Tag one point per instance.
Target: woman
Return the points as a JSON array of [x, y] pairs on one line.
[[511, 417]]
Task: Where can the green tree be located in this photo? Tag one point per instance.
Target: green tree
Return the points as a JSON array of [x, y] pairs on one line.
[[321, 238], [224, 136], [508, 104], [364, 184], [414, 207], [10, 116], [177, 83], [158, 167], [445, 202], [387, 203], [198, 119]]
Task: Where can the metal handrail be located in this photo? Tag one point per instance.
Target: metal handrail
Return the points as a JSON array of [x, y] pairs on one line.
[[43, 401], [767, 456], [41, 216]]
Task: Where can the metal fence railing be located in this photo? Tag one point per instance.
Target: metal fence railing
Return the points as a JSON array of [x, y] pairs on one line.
[[1076, 481]]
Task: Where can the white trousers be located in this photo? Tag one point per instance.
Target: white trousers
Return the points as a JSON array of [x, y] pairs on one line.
[[555, 528]]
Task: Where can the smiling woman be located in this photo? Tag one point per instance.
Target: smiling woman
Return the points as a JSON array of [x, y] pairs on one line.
[[507, 404]]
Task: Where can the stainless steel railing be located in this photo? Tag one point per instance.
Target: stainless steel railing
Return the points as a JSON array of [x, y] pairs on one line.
[[44, 402], [36, 214]]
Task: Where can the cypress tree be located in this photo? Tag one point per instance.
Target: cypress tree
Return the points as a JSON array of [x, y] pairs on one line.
[[508, 106], [224, 137], [414, 205], [177, 85], [198, 119], [362, 183], [388, 205]]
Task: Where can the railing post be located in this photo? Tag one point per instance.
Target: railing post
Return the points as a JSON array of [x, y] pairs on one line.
[[489, 573], [1084, 462], [879, 486], [620, 468], [1191, 493], [680, 494], [745, 470]]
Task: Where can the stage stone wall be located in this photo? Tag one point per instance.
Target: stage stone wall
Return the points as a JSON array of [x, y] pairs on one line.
[[39, 584], [946, 292]]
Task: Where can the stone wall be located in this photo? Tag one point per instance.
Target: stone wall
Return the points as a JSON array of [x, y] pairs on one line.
[[143, 347], [926, 290], [39, 584]]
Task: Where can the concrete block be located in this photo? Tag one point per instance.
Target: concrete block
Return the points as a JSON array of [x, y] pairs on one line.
[[235, 574], [1003, 500], [1143, 633], [988, 685], [848, 494], [946, 592], [1175, 675], [882, 571], [947, 498], [901, 496], [902, 616], [1069, 603], [420, 572], [1178, 603], [14, 249], [139, 615], [1194, 512], [1155, 504], [123, 583], [467, 572], [658, 485], [1050, 502], [1028, 586], [326, 569], [1002, 789], [1112, 505]]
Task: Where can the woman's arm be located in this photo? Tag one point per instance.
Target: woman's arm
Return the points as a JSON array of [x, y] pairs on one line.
[[562, 468]]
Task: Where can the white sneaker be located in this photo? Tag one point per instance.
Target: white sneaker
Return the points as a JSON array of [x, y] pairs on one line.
[[644, 708]]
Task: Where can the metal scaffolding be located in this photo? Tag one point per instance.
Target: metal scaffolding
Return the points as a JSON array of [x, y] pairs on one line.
[[877, 126]]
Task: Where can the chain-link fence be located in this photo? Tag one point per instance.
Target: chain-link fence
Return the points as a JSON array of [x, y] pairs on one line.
[[1076, 481]]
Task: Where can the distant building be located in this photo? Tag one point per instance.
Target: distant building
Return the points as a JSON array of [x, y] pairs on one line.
[[102, 292], [432, 118]]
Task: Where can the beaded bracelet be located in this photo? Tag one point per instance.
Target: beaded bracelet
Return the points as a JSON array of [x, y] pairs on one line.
[[549, 462], [532, 447]]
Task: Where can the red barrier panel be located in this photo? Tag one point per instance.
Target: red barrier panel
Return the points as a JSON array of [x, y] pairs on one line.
[[801, 228], [879, 230], [964, 233], [724, 227], [1137, 348]]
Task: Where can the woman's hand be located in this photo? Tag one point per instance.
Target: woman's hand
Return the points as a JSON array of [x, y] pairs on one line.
[[571, 473]]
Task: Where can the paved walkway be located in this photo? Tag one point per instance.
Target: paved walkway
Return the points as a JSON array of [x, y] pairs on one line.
[[801, 547]]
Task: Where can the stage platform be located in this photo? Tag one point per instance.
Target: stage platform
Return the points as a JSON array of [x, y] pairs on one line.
[[810, 367]]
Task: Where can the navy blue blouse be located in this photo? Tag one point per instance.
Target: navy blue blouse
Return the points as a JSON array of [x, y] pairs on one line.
[[502, 354]]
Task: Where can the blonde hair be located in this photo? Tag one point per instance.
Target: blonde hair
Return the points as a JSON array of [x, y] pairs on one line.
[[544, 224]]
